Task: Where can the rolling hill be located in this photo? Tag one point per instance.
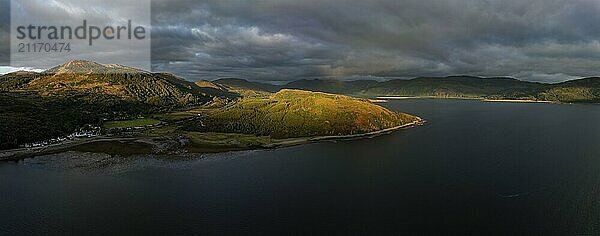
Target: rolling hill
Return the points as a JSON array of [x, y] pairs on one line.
[[582, 90], [296, 113], [453, 86]]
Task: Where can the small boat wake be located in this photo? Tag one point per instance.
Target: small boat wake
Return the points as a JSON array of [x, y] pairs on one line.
[[511, 195], [522, 194]]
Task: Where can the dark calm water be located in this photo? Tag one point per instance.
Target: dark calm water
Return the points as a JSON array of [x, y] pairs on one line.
[[475, 168]]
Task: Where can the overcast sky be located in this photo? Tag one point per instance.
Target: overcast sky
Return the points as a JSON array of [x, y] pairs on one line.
[[279, 40]]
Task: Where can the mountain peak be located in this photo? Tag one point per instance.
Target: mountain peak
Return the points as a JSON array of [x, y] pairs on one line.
[[82, 63], [90, 67]]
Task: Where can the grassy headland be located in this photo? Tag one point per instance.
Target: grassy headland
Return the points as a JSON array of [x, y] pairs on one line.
[[296, 113]]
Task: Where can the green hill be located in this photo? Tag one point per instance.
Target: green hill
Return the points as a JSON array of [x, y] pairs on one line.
[[582, 90], [295, 113], [57, 102], [16, 80], [454, 86]]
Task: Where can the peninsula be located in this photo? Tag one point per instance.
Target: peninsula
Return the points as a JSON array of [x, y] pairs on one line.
[[91, 107]]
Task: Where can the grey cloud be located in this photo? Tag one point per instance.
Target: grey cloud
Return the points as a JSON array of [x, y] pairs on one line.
[[394, 38], [540, 40]]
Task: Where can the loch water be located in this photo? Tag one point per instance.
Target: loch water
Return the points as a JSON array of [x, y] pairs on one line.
[[476, 168]]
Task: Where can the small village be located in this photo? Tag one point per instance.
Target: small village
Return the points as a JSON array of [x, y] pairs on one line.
[[88, 131]]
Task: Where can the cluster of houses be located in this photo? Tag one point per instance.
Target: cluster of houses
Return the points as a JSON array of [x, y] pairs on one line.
[[85, 132]]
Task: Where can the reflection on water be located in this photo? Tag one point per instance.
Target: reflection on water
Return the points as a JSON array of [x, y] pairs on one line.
[[474, 168]]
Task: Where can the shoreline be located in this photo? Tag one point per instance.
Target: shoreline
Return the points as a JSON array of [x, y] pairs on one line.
[[520, 101], [424, 97], [23, 153], [476, 99], [302, 141]]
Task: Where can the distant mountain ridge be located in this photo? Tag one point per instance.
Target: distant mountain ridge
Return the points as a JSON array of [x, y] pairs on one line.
[[167, 90], [332, 86], [241, 84], [585, 90]]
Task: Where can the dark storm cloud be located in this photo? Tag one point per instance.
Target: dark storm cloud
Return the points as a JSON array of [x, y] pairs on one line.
[[541, 40]]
